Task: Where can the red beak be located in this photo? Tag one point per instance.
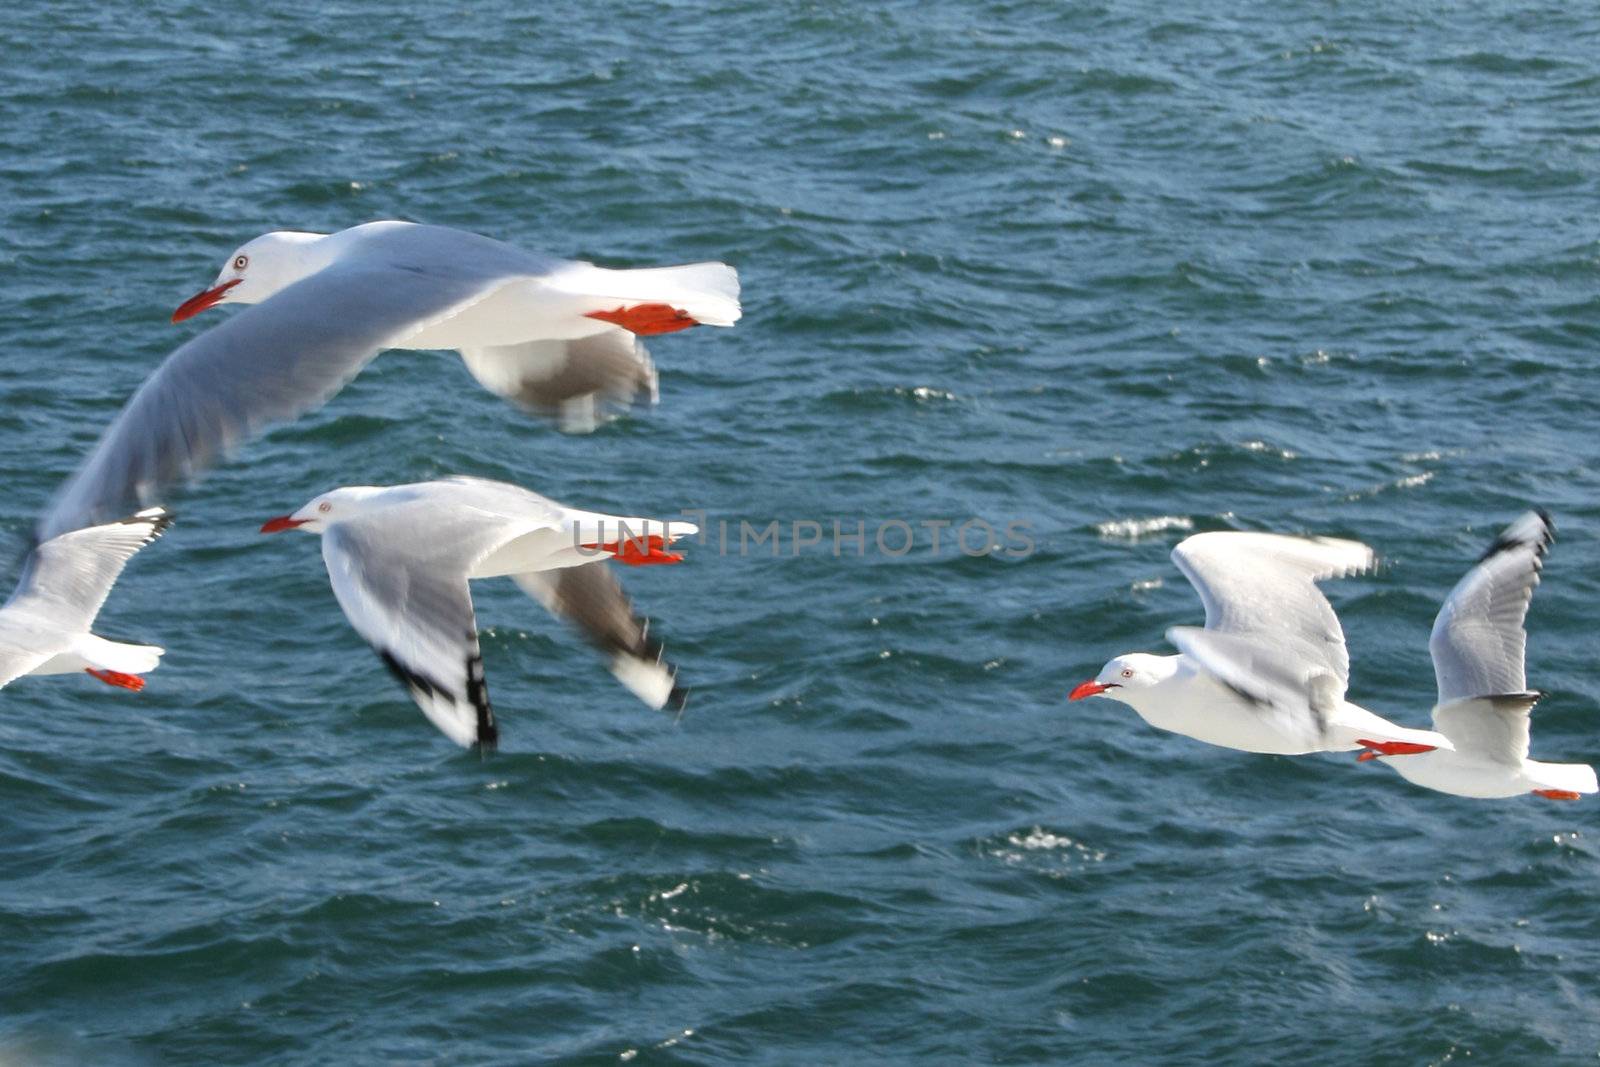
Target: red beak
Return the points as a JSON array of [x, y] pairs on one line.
[[200, 301], [282, 522], [1091, 688]]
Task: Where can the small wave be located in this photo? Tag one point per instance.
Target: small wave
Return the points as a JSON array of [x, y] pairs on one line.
[[1134, 529]]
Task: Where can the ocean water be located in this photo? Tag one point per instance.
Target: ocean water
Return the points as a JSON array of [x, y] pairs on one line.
[[1112, 273]]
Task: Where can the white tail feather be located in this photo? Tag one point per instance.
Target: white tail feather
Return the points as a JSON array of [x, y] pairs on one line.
[[709, 292], [1570, 777], [117, 656]]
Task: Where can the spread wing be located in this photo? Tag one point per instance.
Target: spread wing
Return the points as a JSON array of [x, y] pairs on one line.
[[22, 648], [67, 578], [270, 362], [1265, 585], [407, 595], [1478, 642]]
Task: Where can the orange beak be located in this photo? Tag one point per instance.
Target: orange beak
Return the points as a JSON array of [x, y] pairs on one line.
[[1091, 688], [200, 301], [282, 522]]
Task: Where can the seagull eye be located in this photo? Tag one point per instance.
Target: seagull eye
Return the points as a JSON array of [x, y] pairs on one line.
[[241, 262], [1127, 672], [324, 507]]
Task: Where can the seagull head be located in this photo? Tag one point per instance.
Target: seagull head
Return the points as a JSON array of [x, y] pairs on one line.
[[321, 512], [256, 270], [1124, 677]]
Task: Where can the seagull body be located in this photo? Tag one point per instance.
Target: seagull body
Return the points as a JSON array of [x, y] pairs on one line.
[[553, 336], [399, 559], [1479, 646], [1269, 671], [44, 627]]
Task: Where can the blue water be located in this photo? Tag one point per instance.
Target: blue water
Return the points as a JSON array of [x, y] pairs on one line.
[[1115, 272]]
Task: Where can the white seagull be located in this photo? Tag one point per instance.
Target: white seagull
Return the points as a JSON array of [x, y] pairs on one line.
[[1478, 647], [399, 558], [552, 335], [1269, 671], [44, 627]]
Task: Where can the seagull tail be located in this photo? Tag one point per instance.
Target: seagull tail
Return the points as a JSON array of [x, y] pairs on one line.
[[118, 656], [1564, 777], [708, 293]]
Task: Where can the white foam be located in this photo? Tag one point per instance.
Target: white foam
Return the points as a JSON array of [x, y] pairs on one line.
[[1134, 529]]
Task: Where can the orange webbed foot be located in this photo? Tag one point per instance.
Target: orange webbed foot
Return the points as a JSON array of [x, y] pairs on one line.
[[118, 679], [646, 319], [1390, 748], [637, 551]]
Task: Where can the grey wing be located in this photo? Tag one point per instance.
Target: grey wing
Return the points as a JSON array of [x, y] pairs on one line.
[[1260, 583], [519, 507], [590, 598], [273, 361], [67, 578], [414, 608], [1495, 727], [1478, 642], [1280, 676], [581, 382]]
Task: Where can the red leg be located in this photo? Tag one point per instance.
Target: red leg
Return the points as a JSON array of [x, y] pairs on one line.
[[118, 679], [1390, 748], [1556, 794], [646, 319], [637, 551]]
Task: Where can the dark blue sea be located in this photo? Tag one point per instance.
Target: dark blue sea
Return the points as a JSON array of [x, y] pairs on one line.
[[1097, 274]]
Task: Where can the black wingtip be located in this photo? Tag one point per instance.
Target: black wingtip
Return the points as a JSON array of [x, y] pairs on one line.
[[677, 699], [1517, 535], [478, 697], [409, 678], [158, 517]]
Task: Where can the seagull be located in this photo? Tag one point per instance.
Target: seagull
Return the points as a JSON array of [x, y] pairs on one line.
[[399, 558], [1268, 672], [44, 627], [1478, 646], [553, 336]]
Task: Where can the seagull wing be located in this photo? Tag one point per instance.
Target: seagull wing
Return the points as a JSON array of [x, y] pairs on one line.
[[1495, 727], [1267, 674], [401, 578], [580, 382], [590, 598], [1264, 585], [67, 578], [23, 647], [1478, 641], [270, 362]]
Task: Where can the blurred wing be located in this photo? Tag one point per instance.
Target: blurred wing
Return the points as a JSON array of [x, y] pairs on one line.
[[1495, 727], [1478, 642], [580, 382], [590, 598], [67, 578], [411, 603], [270, 362], [1270, 676], [1265, 584]]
